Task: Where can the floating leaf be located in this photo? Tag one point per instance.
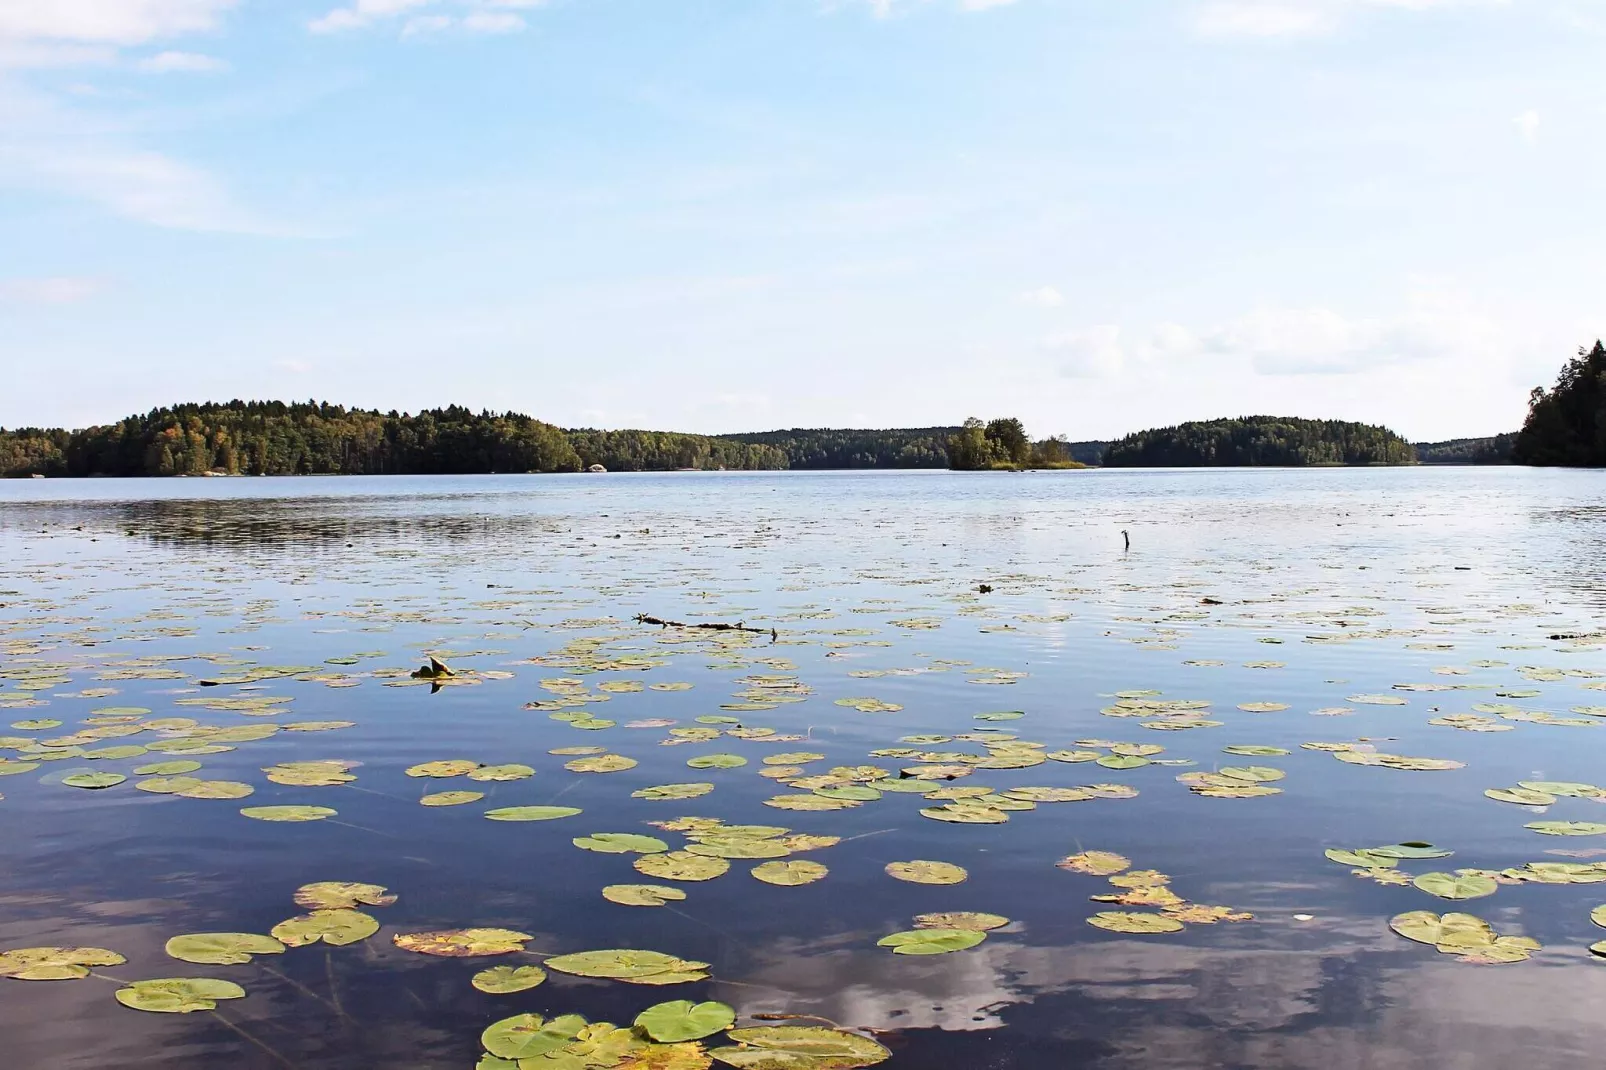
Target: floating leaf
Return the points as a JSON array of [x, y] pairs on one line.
[[642, 895], [338, 927], [682, 1020], [717, 761], [178, 995], [931, 941], [619, 843], [502, 980], [673, 791], [529, 1036], [450, 768], [288, 813], [55, 963], [602, 763], [925, 872], [1521, 796], [1565, 788], [451, 798], [1566, 828], [635, 967], [681, 866], [463, 943], [1453, 886], [501, 773], [166, 785], [342, 895], [216, 789], [222, 949], [1119, 922], [790, 874], [531, 813], [1095, 863], [167, 769], [800, 1047], [93, 781], [961, 919], [1254, 751]]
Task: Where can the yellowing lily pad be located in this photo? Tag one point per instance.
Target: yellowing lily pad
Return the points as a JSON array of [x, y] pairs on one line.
[[790, 874], [601, 763], [1095, 863], [288, 813], [635, 967], [451, 798], [681, 866], [336, 927], [961, 919], [440, 770], [800, 1047], [1145, 924], [341, 895], [642, 895], [463, 943], [55, 963], [531, 813], [619, 843], [926, 872]]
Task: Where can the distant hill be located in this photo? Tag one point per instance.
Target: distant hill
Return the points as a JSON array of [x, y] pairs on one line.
[[910, 447], [1495, 449], [1259, 440]]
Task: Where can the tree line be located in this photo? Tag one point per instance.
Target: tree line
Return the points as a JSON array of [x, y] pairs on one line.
[[312, 438], [1259, 440], [1004, 444], [1566, 424]]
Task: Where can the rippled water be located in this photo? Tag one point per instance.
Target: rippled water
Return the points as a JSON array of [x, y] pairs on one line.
[[1335, 583]]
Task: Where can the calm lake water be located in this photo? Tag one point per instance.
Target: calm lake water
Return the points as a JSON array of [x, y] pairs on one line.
[[1309, 597]]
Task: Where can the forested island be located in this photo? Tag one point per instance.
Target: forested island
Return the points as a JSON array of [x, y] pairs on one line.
[[313, 438], [1259, 440]]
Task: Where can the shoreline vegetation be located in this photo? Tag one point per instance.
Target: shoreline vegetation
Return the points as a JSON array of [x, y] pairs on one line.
[[1566, 426], [315, 438]]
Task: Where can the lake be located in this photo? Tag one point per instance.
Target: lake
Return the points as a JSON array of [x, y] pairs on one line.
[[1379, 648]]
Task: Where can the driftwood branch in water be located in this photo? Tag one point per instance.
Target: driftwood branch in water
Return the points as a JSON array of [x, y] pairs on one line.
[[642, 618]]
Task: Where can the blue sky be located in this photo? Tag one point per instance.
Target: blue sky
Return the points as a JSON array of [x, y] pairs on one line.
[[721, 215]]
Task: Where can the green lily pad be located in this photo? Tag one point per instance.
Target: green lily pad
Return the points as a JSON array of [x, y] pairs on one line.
[[642, 895], [1567, 788], [790, 874], [167, 785], [681, 866], [717, 761], [55, 963], [222, 949], [1254, 751], [682, 1020], [502, 980], [663, 792], [1521, 796], [167, 769], [634, 967], [93, 781], [620, 843], [529, 1036], [931, 941], [1452, 886], [336, 927], [288, 813], [531, 813], [451, 798], [961, 919], [501, 773], [1120, 922], [601, 763], [1566, 828], [178, 995]]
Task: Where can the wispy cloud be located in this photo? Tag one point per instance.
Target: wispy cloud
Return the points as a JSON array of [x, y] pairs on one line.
[[1042, 297], [424, 17], [182, 63], [120, 22], [1300, 18], [1527, 125], [1092, 353], [56, 290]]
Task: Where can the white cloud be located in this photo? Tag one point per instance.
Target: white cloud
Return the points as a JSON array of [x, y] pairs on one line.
[[57, 290], [122, 22], [482, 16], [1043, 297], [1092, 353], [983, 5], [1527, 125], [1300, 18], [182, 62]]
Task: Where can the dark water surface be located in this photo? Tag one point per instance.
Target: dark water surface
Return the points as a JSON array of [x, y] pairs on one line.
[[1301, 588]]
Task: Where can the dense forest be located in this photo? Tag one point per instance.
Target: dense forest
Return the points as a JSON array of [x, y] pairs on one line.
[[1259, 440], [918, 447], [1566, 425], [1495, 449], [1004, 444], [274, 438]]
